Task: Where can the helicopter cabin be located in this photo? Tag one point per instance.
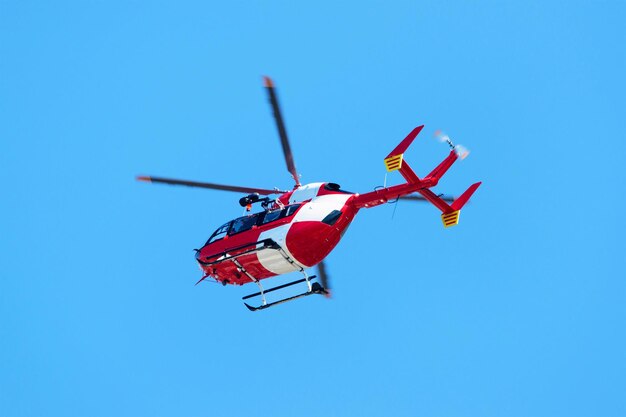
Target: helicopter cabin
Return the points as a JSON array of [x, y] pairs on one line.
[[245, 223]]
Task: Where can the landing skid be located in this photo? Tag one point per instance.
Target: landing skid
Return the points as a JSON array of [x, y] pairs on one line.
[[250, 248], [313, 288]]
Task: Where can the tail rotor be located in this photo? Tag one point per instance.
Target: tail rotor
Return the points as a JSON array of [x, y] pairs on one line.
[[460, 150]]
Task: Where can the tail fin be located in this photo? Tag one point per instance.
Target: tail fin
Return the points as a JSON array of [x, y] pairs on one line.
[[460, 202], [404, 145], [395, 160], [450, 217]]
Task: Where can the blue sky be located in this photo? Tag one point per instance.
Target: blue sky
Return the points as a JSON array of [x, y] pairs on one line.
[[518, 311]]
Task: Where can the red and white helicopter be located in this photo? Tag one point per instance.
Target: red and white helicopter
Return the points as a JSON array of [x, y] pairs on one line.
[[297, 229]]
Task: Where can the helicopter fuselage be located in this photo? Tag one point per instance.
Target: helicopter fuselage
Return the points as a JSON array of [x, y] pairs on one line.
[[300, 229]]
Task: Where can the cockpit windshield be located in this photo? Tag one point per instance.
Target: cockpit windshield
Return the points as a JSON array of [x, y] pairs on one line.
[[270, 216], [243, 223], [219, 233], [273, 215]]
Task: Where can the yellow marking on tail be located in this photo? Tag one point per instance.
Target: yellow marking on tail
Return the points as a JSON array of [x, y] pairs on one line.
[[450, 219], [394, 163]]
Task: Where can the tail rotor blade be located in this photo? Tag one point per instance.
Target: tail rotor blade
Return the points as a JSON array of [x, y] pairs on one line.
[[282, 131], [460, 150]]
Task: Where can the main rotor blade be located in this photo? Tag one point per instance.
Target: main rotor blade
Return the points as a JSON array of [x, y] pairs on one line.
[[323, 276], [282, 132], [446, 198], [209, 185]]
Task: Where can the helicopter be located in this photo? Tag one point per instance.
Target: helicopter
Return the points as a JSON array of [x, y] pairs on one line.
[[297, 229]]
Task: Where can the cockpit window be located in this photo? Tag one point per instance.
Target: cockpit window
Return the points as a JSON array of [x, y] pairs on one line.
[[271, 216], [219, 233], [247, 222], [243, 223], [289, 210]]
